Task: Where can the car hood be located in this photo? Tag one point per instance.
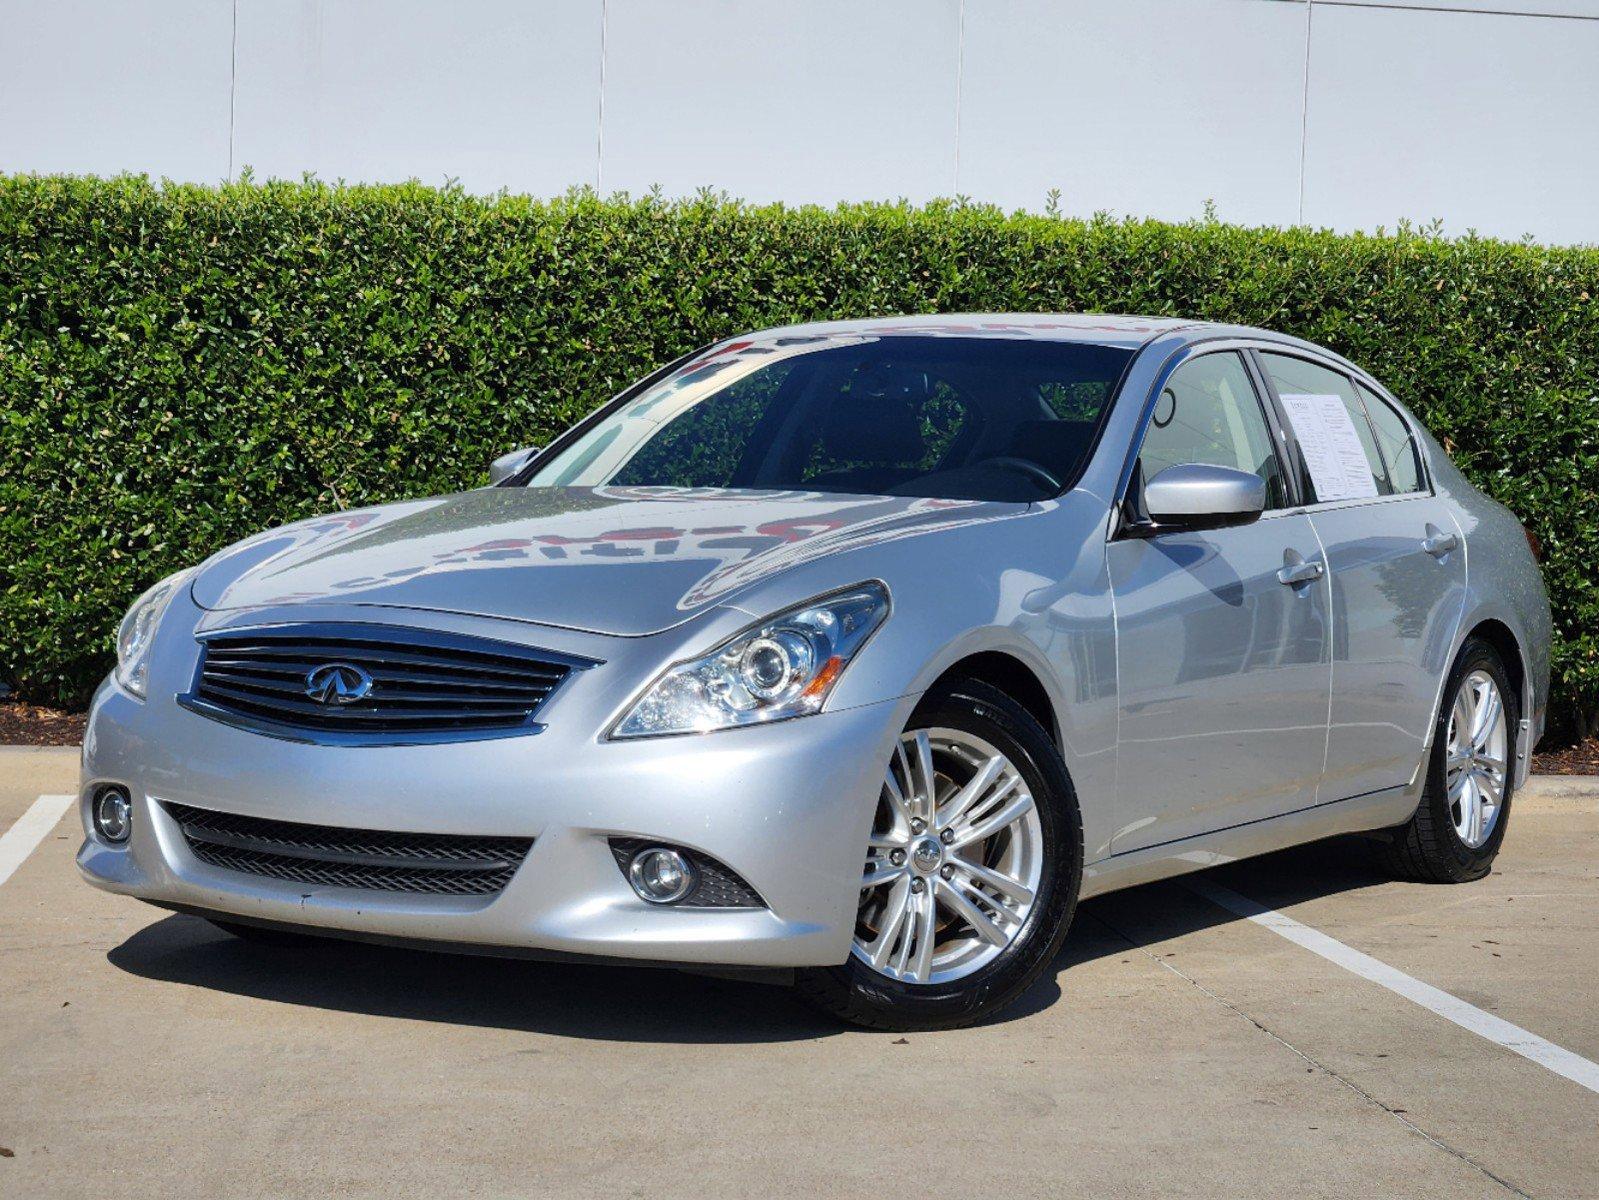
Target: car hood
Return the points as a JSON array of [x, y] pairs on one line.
[[626, 561]]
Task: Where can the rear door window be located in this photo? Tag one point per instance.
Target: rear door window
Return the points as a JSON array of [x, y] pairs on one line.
[[1296, 375]]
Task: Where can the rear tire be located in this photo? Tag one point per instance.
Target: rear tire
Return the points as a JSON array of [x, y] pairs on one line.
[[1439, 844], [1021, 881]]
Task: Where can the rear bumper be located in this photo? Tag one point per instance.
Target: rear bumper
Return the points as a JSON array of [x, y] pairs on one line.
[[787, 806]]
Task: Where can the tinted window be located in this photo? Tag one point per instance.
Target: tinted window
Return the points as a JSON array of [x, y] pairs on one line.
[[1297, 375], [961, 418], [1398, 446], [1208, 412]]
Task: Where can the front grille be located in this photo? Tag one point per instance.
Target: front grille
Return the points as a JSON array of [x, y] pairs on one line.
[[328, 856], [719, 885], [398, 685]]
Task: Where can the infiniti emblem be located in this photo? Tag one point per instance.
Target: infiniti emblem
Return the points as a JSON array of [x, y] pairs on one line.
[[337, 683]]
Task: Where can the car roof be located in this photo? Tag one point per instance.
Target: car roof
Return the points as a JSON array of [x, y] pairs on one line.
[[1100, 329], [1126, 331]]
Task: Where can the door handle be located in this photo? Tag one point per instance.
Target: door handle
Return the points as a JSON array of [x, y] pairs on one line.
[[1439, 544], [1304, 571]]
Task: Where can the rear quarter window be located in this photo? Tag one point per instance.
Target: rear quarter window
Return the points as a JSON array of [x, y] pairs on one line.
[[1397, 443]]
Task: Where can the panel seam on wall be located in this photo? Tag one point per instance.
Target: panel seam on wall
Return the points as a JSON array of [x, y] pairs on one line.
[[960, 79], [233, 82], [1304, 111], [599, 131]]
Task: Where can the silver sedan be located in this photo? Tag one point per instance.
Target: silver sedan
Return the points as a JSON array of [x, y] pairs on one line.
[[854, 654]]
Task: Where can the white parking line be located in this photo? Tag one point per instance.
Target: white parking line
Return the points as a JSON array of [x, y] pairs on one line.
[[31, 828], [1484, 1024]]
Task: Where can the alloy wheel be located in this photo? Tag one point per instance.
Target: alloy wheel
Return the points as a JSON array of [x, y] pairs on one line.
[[954, 860], [1475, 761]]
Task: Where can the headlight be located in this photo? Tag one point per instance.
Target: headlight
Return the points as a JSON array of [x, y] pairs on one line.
[[138, 628], [785, 667]]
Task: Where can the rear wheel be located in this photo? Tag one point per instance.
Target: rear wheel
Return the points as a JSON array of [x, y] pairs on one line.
[[971, 870], [1460, 823]]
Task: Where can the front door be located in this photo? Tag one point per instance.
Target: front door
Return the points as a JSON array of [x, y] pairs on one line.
[[1222, 635]]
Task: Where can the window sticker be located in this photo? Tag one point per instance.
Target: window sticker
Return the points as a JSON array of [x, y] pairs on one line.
[[1333, 453]]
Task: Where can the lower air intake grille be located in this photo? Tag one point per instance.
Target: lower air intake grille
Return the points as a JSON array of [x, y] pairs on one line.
[[328, 856], [719, 885]]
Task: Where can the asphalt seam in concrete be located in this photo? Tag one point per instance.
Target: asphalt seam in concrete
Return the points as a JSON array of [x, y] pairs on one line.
[[1312, 1061]]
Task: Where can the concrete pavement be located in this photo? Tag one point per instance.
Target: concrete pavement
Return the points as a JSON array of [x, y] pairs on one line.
[[1174, 1050]]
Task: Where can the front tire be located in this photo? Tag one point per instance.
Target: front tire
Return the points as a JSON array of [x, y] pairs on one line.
[[1458, 827], [971, 872]]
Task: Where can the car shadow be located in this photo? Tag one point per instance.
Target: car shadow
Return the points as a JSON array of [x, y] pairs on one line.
[[637, 1004], [1155, 913]]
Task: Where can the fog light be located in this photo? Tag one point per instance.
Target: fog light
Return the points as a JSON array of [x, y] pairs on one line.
[[661, 876], [113, 815]]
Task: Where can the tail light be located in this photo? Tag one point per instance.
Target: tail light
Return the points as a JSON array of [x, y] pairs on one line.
[[1533, 544]]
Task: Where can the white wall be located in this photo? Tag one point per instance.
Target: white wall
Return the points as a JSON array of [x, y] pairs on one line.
[[1349, 113]]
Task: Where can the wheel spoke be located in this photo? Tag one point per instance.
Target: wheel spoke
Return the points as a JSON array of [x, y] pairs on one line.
[[1471, 810], [1460, 721], [907, 937], [962, 801], [906, 774], [880, 871], [989, 826], [926, 785], [921, 963], [1488, 763], [1491, 784], [1487, 718], [896, 909], [1013, 889], [985, 928], [898, 804], [997, 798]]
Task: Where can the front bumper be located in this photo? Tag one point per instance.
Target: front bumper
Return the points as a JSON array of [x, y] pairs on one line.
[[787, 806]]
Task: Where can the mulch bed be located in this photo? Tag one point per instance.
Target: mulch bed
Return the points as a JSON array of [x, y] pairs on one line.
[[33, 725], [1579, 759]]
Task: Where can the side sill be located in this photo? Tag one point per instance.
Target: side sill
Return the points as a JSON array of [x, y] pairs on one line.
[[1357, 814]]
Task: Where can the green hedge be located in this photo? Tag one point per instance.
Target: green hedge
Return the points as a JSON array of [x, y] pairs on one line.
[[182, 366]]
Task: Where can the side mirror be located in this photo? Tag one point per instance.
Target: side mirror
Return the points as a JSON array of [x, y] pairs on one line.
[[1200, 496], [507, 465]]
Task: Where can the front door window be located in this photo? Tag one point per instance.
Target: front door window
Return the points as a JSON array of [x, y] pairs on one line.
[[1208, 413]]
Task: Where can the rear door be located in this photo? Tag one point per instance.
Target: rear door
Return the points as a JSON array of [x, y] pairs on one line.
[[1398, 567], [1222, 637]]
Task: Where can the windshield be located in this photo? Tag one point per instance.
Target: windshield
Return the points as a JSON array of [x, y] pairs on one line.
[[880, 414]]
